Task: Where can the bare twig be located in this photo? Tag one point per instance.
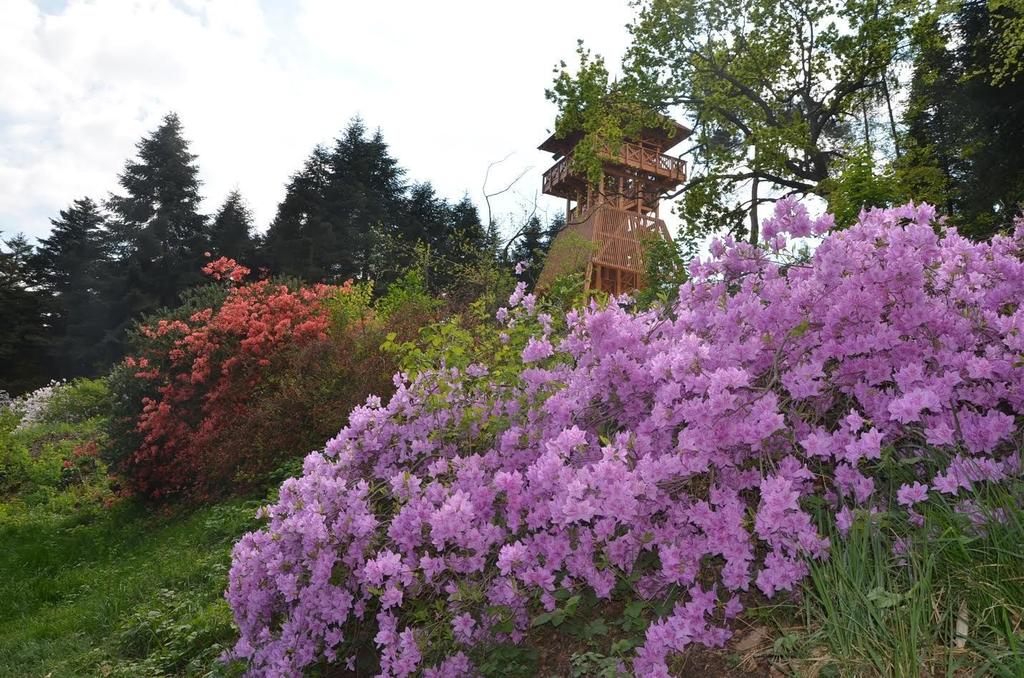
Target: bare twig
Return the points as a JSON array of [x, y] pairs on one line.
[[488, 196]]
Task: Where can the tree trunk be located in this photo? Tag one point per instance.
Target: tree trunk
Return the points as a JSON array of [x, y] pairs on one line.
[[753, 204], [892, 118], [753, 212]]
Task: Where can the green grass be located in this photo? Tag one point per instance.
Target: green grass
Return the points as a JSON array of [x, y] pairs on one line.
[[872, 611], [90, 586], [116, 591]]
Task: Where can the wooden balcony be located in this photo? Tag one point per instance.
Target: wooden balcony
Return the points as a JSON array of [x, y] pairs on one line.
[[562, 181], [647, 160], [557, 178]]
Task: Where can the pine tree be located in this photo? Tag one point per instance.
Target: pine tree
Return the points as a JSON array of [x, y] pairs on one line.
[[231, 231], [300, 234], [24, 316], [366, 197], [71, 264], [157, 230]]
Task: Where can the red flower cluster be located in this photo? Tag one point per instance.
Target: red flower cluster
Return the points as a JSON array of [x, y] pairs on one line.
[[226, 269], [208, 371]]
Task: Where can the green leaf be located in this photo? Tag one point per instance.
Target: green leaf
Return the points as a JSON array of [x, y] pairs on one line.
[[542, 618], [624, 645], [634, 609], [801, 329], [597, 627]]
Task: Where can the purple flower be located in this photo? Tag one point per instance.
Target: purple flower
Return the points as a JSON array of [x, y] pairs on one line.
[[908, 495], [537, 349], [766, 387], [462, 626], [844, 520]]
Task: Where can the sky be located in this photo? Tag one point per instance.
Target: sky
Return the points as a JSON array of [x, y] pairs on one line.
[[454, 86]]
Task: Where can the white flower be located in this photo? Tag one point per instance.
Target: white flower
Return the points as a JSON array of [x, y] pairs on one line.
[[32, 406]]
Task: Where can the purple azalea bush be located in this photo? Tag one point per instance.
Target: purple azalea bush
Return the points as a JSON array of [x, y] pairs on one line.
[[675, 450]]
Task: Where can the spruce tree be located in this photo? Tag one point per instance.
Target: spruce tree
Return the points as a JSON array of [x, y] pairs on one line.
[[365, 199], [24, 320], [157, 230], [300, 235], [71, 265], [231, 231]]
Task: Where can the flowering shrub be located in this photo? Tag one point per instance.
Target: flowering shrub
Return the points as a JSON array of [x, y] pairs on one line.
[[675, 455], [234, 384], [205, 369], [49, 442], [31, 408]]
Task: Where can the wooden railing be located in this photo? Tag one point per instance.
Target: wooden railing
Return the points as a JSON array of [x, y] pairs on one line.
[[557, 174], [637, 156], [621, 237], [646, 159]]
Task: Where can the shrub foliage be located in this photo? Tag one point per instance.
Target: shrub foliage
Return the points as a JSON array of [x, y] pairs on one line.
[[221, 391], [675, 455]]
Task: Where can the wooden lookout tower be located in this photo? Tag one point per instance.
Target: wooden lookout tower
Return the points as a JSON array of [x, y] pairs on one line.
[[608, 222]]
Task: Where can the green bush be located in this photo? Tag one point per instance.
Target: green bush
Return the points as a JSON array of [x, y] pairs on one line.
[[78, 401], [15, 462], [58, 451]]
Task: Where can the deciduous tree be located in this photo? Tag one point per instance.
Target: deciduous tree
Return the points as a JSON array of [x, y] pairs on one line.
[[776, 92]]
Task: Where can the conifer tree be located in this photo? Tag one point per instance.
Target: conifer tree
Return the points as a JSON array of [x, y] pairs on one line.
[[468, 242], [71, 265], [425, 218], [530, 249], [156, 227], [465, 221], [24, 315], [299, 233], [338, 210], [965, 123], [231, 233], [366, 197], [555, 227]]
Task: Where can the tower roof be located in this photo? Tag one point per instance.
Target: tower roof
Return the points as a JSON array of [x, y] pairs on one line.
[[667, 137]]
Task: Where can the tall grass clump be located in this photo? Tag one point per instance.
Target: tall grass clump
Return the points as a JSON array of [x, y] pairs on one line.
[[942, 596]]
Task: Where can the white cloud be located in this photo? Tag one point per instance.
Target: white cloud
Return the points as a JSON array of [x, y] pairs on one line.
[[453, 84]]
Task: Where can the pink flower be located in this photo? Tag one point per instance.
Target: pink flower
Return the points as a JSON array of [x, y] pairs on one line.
[[908, 495]]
